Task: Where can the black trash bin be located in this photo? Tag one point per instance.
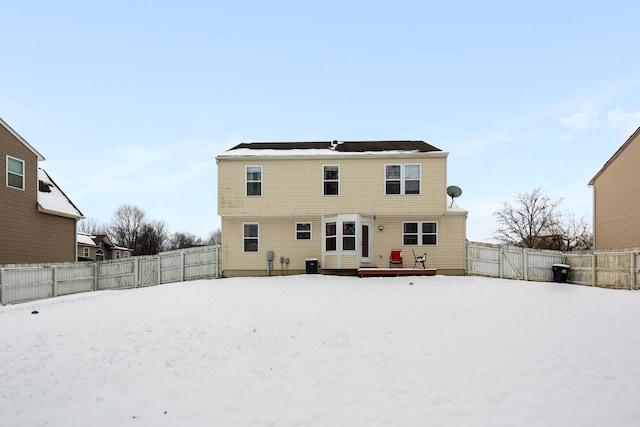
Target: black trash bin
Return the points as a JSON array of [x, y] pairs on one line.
[[560, 272], [312, 265]]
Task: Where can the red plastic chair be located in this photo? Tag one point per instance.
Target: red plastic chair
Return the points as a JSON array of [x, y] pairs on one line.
[[395, 258]]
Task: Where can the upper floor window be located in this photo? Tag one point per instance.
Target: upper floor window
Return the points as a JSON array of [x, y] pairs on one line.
[[99, 255], [420, 233], [250, 236], [15, 173], [254, 180], [86, 252], [402, 179], [303, 231], [117, 254], [331, 180]]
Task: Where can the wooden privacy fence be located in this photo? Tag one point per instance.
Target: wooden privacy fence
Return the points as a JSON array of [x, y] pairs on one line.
[[19, 283], [511, 262], [605, 269]]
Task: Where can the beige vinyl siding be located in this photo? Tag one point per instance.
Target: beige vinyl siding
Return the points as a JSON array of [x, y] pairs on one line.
[[286, 200], [448, 254], [283, 196], [617, 200], [276, 234], [26, 235]]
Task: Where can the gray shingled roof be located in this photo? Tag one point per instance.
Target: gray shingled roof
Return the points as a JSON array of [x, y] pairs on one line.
[[342, 147]]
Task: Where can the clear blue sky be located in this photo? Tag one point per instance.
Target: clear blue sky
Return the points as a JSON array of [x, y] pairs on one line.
[[130, 101]]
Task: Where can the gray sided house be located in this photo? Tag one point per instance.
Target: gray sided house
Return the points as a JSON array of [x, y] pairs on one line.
[[37, 220], [346, 205]]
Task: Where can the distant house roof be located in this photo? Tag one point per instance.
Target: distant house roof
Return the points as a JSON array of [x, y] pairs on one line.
[[52, 200], [21, 139], [615, 155], [329, 147], [85, 239]]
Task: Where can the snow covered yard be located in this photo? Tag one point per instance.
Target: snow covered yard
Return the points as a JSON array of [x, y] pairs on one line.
[[318, 350]]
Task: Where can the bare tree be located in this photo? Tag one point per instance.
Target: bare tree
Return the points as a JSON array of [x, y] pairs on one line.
[[180, 240], [215, 237], [92, 226], [531, 222], [126, 226], [576, 235], [536, 222], [152, 238]]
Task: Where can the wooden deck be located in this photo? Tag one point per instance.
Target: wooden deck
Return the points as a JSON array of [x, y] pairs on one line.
[[362, 272]]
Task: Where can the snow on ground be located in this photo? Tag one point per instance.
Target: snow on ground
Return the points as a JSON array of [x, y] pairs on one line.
[[317, 350]]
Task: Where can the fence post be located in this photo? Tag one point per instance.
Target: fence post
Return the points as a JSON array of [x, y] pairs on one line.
[[501, 264], [525, 264], [136, 272], [95, 276], [593, 269], [632, 279], [182, 256], [2, 286], [159, 270], [53, 277]]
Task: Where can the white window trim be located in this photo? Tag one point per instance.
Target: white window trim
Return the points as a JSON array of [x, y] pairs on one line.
[[85, 252], [420, 233], [251, 237], [13, 173], [330, 180], [403, 179], [246, 180], [310, 231]]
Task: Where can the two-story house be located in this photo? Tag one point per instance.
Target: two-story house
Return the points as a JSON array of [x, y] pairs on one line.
[[99, 247], [616, 199], [37, 220], [346, 204]]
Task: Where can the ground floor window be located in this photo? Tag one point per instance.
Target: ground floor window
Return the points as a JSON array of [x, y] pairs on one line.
[[419, 233], [99, 255], [250, 237], [349, 236], [330, 236], [303, 231]]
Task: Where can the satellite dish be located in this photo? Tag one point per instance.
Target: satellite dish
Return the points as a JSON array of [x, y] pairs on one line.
[[453, 192]]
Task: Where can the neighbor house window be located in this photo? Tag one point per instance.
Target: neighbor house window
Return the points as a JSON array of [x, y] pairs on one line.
[[254, 180], [402, 179], [330, 236], [117, 254], [86, 252], [331, 180], [15, 173], [303, 231], [349, 236], [250, 235], [420, 233], [126, 254], [99, 255]]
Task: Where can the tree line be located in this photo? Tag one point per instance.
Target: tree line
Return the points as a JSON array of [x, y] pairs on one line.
[[535, 221], [131, 228]]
